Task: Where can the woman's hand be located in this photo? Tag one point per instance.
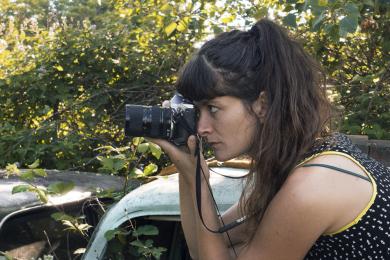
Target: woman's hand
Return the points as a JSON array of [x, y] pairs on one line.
[[184, 157]]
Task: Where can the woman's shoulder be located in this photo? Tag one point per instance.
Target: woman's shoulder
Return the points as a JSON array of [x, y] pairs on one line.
[[336, 195]]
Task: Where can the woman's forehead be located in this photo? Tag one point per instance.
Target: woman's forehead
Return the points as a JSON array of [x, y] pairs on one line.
[[217, 99]]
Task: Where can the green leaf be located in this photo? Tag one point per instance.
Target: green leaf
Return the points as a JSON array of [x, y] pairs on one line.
[[135, 172], [107, 148], [156, 150], [118, 164], [157, 251], [261, 12], [369, 3], [322, 2], [137, 243], [110, 234], [170, 28], [165, 7], [150, 169], [137, 140], [183, 24], [348, 25], [146, 230], [39, 172], [27, 176], [143, 148], [59, 68], [318, 21], [228, 19], [316, 8], [60, 187], [34, 164], [61, 216], [112, 164], [20, 188], [122, 238], [351, 9], [290, 20], [216, 29], [41, 195]]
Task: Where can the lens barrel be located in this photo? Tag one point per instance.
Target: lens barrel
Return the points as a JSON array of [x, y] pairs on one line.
[[155, 121]]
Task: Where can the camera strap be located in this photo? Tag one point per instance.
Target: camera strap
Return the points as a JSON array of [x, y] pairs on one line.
[[198, 191], [198, 187]]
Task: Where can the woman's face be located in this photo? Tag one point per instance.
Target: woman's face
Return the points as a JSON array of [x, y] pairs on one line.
[[227, 126]]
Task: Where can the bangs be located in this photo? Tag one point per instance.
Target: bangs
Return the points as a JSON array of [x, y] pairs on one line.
[[198, 81]]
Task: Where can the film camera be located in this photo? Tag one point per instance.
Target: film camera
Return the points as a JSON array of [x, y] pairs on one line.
[[174, 124]]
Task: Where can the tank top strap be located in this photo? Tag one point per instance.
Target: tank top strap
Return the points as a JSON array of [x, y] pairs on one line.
[[336, 169]]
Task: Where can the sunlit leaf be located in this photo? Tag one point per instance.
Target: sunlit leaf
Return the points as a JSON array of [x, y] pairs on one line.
[[165, 7], [108, 148], [143, 148], [39, 172], [34, 164], [182, 25], [12, 169], [41, 195], [322, 2], [150, 169], [59, 68], [137, 140], [170, 28], [228, 19], [79, 251], [136, 172], [156, 150]]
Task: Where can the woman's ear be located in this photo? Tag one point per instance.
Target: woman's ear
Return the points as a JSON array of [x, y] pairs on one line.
[[260, 106]]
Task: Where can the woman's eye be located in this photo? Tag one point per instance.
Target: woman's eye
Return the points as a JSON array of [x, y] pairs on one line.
[[213, 109]]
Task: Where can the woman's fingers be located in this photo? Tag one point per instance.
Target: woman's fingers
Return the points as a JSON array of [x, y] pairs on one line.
[[191, 143], [166, 103], [183, 157]]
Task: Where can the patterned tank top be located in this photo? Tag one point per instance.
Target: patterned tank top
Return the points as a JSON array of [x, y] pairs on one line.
[[368, 235]]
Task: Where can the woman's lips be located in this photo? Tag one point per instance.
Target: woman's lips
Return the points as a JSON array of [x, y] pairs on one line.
[[214, 144]]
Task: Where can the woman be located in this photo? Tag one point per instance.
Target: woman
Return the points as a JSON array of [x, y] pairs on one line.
[[310, 194]]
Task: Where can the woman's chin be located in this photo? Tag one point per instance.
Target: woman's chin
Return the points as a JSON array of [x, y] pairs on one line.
[[222, 157]]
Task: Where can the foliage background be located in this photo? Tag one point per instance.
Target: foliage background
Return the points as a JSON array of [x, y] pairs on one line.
[[67, 68]]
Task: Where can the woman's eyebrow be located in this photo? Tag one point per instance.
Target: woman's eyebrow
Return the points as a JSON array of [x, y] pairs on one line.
[[201, 102]]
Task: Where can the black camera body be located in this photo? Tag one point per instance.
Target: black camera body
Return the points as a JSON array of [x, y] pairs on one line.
[[174, 124]]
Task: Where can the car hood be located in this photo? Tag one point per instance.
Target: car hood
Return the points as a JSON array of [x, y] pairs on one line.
[[161, 198], [85, 183]]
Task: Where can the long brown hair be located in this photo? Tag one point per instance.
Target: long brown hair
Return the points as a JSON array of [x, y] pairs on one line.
[[246, 63]]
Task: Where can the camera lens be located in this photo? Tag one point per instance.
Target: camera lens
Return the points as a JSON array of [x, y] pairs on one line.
[[148, 121]]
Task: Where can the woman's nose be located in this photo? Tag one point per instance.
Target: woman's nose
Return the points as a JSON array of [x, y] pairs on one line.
[[204, 126]]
